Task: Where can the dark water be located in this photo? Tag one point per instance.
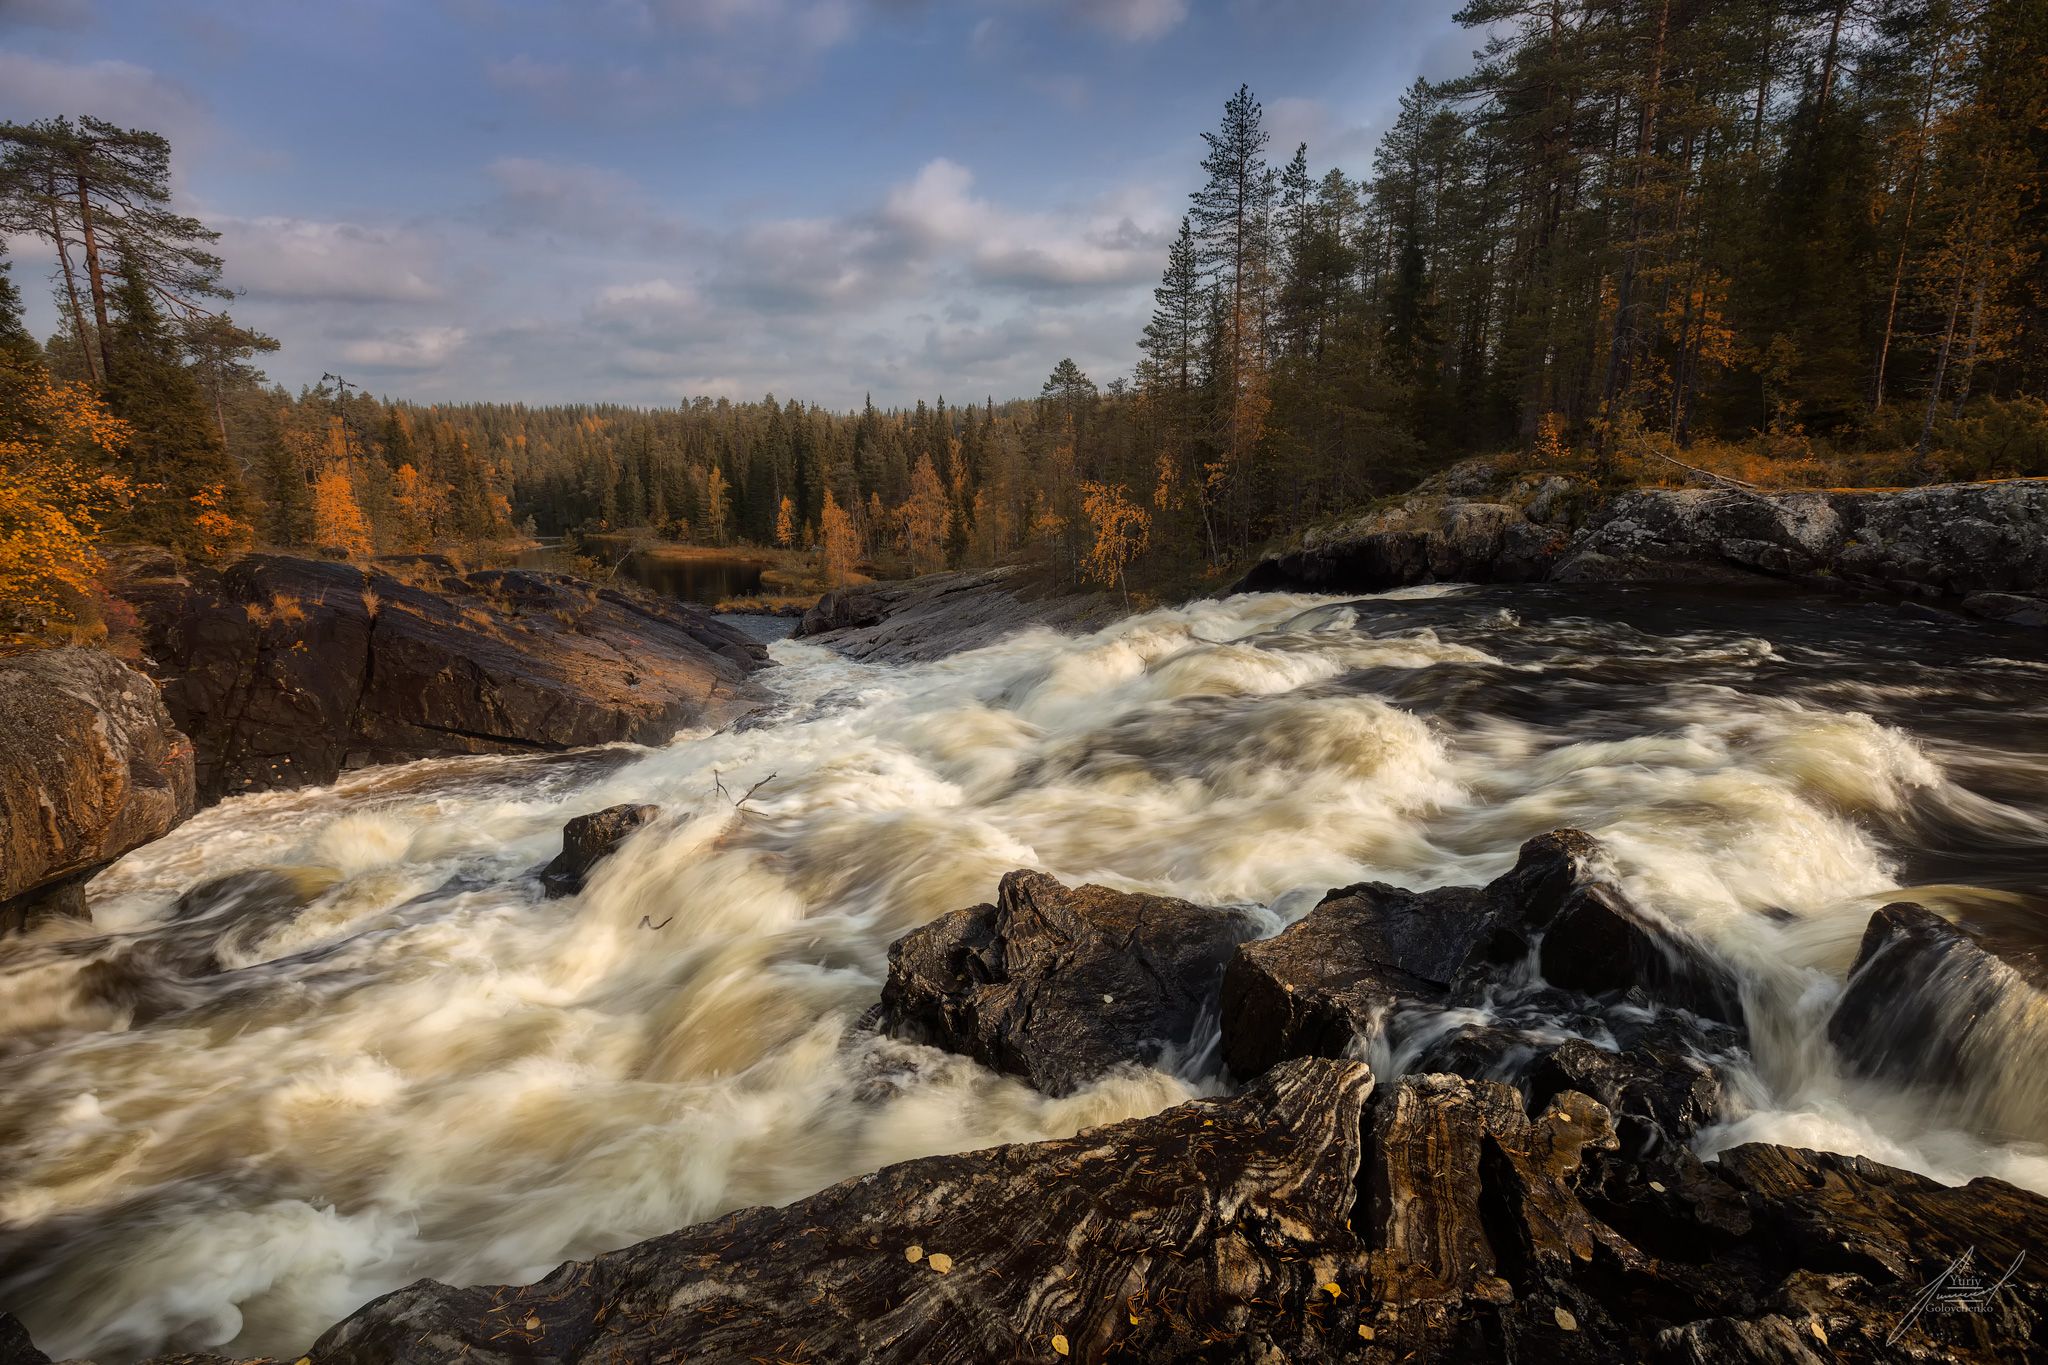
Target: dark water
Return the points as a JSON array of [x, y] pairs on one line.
[[702, 579]]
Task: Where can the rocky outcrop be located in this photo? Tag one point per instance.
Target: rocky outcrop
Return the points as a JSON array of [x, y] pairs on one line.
[[1313, 1217], [588, 840], [286, 671], [940, 614], [1927, 1005], [1980, 548], [1514, 535], [90, 767], [1375, 964], [1058, 984]]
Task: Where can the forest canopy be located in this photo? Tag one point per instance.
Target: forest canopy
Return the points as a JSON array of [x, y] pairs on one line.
[[1795, 240]]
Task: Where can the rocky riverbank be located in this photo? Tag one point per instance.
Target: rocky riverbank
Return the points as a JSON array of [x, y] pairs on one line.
[[1518, 1186], [91, 766], [1980, 549], [286, 672]]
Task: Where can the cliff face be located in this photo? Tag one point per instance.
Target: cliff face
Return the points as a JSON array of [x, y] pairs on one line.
[[1979, 548], [288, 671], [90, 767]]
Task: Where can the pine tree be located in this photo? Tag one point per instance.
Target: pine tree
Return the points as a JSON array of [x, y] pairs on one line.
[[174, 454]]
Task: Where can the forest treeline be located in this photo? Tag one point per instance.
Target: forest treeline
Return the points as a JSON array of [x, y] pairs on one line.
[[1797, 240]]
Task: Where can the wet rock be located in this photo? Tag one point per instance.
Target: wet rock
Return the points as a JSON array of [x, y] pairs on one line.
[[587, 840], [1350, 966], [1600, 942], [1214, 1230], [90, 767], [1425, 539], [1928, 1005], [288, 671], [1770, 1340], [941, 614], [1656, 1096], [15, 1346], [2011, 608], [1058, 984]]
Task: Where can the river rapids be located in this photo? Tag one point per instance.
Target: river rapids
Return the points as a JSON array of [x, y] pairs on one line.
[[229, 1120]]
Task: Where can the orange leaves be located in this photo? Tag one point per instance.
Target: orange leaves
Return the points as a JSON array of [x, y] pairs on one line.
[[785, 523], [52, 498], [1122, 530], [927, 518], [841, 541], [338, 520]]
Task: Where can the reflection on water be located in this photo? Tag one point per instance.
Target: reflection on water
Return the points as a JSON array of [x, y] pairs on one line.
[[706, 579], [229, 1121]]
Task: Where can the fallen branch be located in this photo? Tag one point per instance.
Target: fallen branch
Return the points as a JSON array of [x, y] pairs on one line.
[[1738, 485]]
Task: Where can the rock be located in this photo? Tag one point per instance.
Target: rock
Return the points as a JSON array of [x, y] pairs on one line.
[[1600, 942], [287, 671], [1770, 1340], [1058, 984], [1927, 1005], [1655, 1095], [1346, 969], [15, 1346], [1980, 546], [587, 840], [91, 766], [941, 614], [1424, 539], [1217, 1223], [2008, 607]]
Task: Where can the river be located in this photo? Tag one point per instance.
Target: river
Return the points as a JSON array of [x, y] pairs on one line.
[[399, 1060]]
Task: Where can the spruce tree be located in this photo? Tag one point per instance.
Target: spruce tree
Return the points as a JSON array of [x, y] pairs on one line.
[[175, 457]]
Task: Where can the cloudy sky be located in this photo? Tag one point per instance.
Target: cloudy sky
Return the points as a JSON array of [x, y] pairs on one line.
[[644, 200]]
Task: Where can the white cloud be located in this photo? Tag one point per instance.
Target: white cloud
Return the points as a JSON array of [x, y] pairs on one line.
[[418, 348], [300, 258], [120, 92]]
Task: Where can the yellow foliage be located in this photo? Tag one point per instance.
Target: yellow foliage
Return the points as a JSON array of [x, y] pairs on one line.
[[785, 523], [1122, 529], [841, 541], [338, 520], [52, 498]]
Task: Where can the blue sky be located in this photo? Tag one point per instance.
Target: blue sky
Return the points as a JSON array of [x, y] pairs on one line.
[[646, 200]]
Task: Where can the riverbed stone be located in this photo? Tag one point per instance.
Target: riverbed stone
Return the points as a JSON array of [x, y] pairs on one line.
[[588, 840]]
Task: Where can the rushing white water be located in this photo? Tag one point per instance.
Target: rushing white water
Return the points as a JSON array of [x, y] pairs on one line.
[[398, 1060]]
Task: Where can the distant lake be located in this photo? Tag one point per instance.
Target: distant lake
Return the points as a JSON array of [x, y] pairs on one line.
[[706, 579]]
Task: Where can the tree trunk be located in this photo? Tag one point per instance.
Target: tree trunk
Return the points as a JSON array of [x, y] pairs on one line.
[[78, 327], [1969, 366], [1891, 308], [1621, 344], [1948, 336], [94, 274]]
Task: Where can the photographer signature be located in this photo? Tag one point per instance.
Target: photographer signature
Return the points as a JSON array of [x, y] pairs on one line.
[[1959, 1288]]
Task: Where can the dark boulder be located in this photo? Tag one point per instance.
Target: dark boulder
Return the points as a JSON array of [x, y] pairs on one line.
[[90, 767], [1928, 1005], [288, 671], [587, 840], [1599, 942], [1367, 953], [1058, 984]]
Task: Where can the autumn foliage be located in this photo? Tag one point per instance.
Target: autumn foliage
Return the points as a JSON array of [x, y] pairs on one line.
[[56, 441]]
